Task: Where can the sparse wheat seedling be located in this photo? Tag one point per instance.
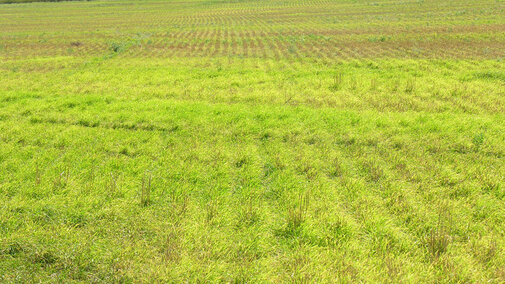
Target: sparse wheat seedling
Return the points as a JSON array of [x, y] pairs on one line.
[[145, 197], [37, 175], [288, 99], [211, 210], [489, 183], [183, 206], [395, 86], [297, 214], [485, 251], [337, 82], [112, 185], [353, 83], [336, 170], [410, 86], [437, 242], [61, 179], [249, 214], [374, 171], [76, 43], [171, 251], [373, 84], [393, 268], [439, 237]]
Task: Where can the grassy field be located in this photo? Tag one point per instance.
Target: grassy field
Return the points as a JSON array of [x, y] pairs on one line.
[[252, 141]]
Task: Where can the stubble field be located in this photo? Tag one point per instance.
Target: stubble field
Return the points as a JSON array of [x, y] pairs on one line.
[[252, 141]]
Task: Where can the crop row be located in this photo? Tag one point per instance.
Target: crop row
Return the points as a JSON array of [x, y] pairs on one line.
[[326, 30]]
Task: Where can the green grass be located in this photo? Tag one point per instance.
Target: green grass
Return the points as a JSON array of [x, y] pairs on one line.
[[154, 142]]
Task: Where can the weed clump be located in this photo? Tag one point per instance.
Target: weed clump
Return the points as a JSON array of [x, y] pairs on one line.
[[478, 140], [117, 47]]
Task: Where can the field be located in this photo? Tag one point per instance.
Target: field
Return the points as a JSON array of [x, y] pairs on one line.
[[252, 141]]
